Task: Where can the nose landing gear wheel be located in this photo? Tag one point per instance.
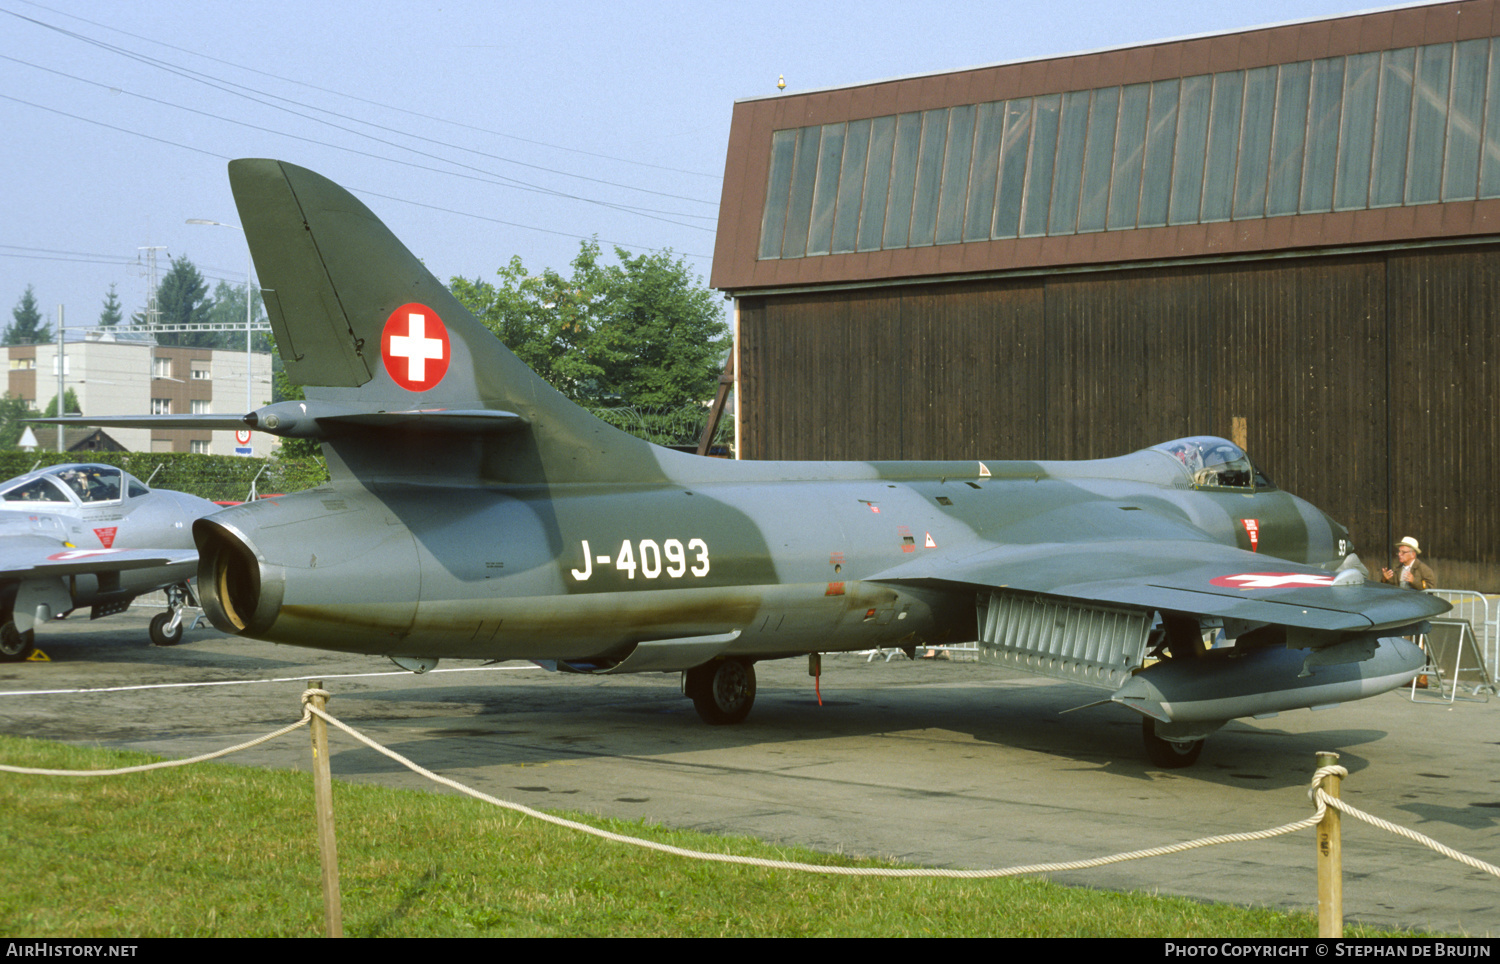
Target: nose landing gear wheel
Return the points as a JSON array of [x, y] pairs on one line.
[[722, 691], [161, 635]]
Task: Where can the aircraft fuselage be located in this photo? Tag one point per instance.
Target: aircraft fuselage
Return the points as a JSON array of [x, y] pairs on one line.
[[580, 572]]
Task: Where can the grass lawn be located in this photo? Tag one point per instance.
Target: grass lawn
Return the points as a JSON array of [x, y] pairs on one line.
[[224, 851]]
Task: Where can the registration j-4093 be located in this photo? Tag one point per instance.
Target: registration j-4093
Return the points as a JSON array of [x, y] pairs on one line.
[[652, 559]]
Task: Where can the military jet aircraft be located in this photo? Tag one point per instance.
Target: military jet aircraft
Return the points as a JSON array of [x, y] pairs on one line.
[[475, 513], [80, 535]]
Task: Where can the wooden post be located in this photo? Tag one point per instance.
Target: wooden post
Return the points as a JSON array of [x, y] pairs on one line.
[[716, 410], [1330, 859], [328, 851]]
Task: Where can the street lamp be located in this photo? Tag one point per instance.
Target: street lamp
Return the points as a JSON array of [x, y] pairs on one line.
[[249, 320]]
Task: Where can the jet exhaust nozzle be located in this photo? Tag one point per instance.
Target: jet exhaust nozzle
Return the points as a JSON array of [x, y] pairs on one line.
[[240, 593]]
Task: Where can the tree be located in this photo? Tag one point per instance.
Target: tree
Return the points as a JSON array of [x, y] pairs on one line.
[[70, 405], [644, 332], [282, 390], [662, 333], [228, 308], [12, 410], [28, 327], [111, 315], [547, 320], [182, 299]]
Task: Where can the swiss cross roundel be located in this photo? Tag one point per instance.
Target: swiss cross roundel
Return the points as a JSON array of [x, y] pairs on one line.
[[414, 347], [1273, 580]]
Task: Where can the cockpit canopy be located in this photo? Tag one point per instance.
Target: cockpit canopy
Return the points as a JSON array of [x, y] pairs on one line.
[[1214, 463], [73, 484]]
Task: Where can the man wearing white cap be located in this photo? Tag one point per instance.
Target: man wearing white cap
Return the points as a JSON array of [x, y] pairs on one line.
[[1414, 573]]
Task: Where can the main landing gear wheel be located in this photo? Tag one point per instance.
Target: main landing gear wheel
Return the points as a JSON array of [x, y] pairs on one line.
[[722, 691], [16, 645], [163, 633], [1165, 753]]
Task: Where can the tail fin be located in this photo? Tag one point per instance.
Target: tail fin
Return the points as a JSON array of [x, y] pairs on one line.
[[372, 336]]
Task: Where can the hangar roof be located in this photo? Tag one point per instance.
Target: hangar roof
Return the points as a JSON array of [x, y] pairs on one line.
[[1374, 128]]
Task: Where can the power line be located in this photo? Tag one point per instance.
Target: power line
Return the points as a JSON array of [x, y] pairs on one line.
[[245, 92], [493, 179], [467, 214], [375, 103]]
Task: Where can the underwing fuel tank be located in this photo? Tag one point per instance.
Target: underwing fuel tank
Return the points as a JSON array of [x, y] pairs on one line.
[[1224, 684]]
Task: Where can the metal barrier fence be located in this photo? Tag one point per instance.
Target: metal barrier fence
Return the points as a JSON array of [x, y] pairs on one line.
[[1483, 618]]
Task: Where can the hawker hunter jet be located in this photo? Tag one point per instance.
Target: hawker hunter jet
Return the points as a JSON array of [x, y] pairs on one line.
[[475, 513], [91, 535]]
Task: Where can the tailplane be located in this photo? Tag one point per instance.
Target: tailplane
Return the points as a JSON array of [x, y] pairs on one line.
[[401, 381]]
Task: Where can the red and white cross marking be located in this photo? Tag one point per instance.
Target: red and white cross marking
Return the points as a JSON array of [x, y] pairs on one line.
[[414, 347], [1272, 580]]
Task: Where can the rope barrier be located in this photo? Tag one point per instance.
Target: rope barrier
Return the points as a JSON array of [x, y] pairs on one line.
[[1319, 798], [1317, 794], [164, 764]]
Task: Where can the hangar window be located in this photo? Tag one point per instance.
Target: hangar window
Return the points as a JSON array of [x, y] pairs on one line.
[[1413, 125]]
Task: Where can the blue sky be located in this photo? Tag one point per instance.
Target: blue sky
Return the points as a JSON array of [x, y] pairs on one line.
[[476, 130]]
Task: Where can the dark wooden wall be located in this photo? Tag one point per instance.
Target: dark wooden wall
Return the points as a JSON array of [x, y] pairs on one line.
[[1368, 384]]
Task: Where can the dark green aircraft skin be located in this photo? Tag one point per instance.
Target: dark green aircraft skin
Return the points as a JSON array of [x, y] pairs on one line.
[[482, 515], [500, 571]]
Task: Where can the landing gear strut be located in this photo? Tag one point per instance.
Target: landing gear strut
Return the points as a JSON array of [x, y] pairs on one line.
[[722, 691], [1167, 754]]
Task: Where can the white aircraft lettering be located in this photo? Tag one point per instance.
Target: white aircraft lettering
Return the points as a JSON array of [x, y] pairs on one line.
[[650, 558]]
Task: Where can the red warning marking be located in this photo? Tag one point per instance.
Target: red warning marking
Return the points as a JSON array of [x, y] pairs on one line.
[[107, 536], [834, 589], [1272, 580], [415, 348], [72, 554], [1252, 527], [930, 544]]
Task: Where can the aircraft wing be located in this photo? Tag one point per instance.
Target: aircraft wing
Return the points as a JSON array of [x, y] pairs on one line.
[[23, 557], [198, 422], [1176, 575], [312, 419]]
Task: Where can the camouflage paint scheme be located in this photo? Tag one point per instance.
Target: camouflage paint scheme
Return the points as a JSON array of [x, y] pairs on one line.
[[474, 512], [81, 534]]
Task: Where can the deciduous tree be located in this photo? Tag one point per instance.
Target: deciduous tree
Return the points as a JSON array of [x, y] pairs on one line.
[[12, 410], [227, 307], [644, 332], [70, 403]]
